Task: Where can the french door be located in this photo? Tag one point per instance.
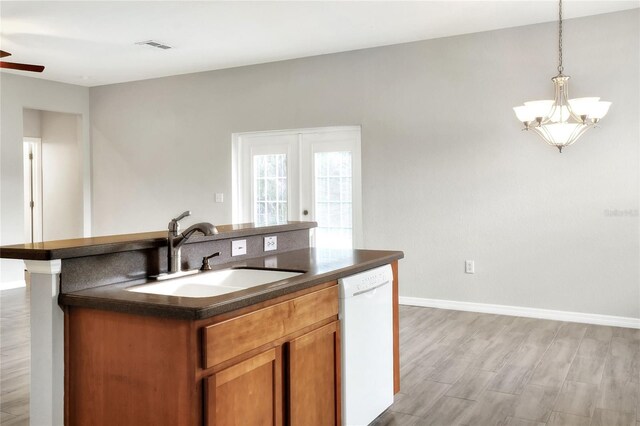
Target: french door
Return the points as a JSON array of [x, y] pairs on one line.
[[304, 174]]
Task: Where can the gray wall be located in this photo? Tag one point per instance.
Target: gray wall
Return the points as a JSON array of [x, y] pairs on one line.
[[447, 173], [20, 93], [61, 176], [32, 123]]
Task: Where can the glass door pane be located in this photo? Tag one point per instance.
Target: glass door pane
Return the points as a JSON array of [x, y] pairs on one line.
[[333, 185], [270, 195], [304, 174]]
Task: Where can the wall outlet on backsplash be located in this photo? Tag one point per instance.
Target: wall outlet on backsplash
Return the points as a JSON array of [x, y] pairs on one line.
[[270, 243], [238, 247]]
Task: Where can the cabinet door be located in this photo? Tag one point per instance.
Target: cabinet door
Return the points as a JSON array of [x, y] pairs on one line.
[[247, 393], [314, 377]]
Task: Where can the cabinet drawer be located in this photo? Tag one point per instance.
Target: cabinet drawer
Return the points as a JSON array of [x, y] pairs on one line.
[[238, 335]]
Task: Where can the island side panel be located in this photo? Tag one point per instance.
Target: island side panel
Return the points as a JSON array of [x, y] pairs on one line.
[[47, 344], [396, 330], [115, 359]]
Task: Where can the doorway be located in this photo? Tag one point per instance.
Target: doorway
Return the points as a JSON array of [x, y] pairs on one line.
[[53, 178], [302, 174]]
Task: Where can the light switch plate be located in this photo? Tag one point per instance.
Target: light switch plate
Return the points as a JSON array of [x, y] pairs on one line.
[[219, 197], [238, 247], [270, 243]]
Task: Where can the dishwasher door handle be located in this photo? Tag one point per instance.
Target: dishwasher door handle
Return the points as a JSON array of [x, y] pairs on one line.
[[358, 293]]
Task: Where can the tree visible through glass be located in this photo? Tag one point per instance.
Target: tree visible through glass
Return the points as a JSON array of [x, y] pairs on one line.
[[333, 203], [270, 189]]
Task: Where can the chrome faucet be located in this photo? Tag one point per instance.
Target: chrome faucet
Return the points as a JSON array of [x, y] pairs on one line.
[[176, 241]]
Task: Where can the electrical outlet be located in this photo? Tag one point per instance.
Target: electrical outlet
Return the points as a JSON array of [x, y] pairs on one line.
[[219, 197], [270, 243], [469, 267], [238, 247]]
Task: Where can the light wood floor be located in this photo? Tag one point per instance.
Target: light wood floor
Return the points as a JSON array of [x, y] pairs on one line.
[[14, 357], [458, 368], [462, 368]]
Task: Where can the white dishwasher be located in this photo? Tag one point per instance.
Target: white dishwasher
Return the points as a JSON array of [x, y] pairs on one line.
[[366, 331]]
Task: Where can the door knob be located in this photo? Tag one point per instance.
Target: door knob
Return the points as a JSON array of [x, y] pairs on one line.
[[305, 212]]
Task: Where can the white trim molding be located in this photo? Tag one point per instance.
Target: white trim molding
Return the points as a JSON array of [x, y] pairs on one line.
[[522, 311], [47, 267]]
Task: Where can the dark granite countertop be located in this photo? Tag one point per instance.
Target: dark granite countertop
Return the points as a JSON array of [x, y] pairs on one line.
[[80, 247], [319, 266]]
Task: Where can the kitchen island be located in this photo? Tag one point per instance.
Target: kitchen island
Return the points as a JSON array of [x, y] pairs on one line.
[[91, 335]]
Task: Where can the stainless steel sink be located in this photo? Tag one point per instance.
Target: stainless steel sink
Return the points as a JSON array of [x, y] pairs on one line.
[[214, 283]]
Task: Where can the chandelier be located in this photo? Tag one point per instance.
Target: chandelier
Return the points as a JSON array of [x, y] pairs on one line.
[[561, 121]]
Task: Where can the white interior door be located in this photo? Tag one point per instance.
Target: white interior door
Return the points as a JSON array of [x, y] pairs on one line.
[[32, 165], [322, 172]]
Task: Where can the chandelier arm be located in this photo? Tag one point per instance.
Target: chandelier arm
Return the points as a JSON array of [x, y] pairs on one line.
[[574, 135], [556, 101], [577, 134], [544, 135], [576, 117], [550, 114], [560, 85], [551, 138], [563, 97]]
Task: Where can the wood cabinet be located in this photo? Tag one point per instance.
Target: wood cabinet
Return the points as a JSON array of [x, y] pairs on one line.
[[276, 363], [296, 383], [230, 338], [123, 369], [314, 377], [247, 393]]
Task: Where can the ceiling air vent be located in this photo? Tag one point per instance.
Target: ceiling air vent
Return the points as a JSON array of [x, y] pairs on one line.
[[153, 43]]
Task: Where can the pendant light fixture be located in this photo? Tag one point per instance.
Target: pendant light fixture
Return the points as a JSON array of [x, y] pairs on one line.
[[561, 121]]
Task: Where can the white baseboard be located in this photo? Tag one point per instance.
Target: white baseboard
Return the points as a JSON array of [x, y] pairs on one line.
[[520, 311], [12, 284]]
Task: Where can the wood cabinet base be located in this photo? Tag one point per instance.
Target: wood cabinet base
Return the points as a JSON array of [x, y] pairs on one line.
[[124, 369], [275, 364]]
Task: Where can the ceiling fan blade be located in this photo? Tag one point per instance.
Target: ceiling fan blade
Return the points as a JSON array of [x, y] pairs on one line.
[[22, 67], [3, 54]]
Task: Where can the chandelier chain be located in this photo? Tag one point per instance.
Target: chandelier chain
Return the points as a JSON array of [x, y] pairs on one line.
[[560, 67]]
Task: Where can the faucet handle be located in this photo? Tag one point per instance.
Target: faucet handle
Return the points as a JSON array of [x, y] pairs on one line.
[[174, 226], [205, 261], [182, 216]]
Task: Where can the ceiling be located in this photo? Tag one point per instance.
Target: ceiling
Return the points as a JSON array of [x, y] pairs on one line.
[[92, 43]]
